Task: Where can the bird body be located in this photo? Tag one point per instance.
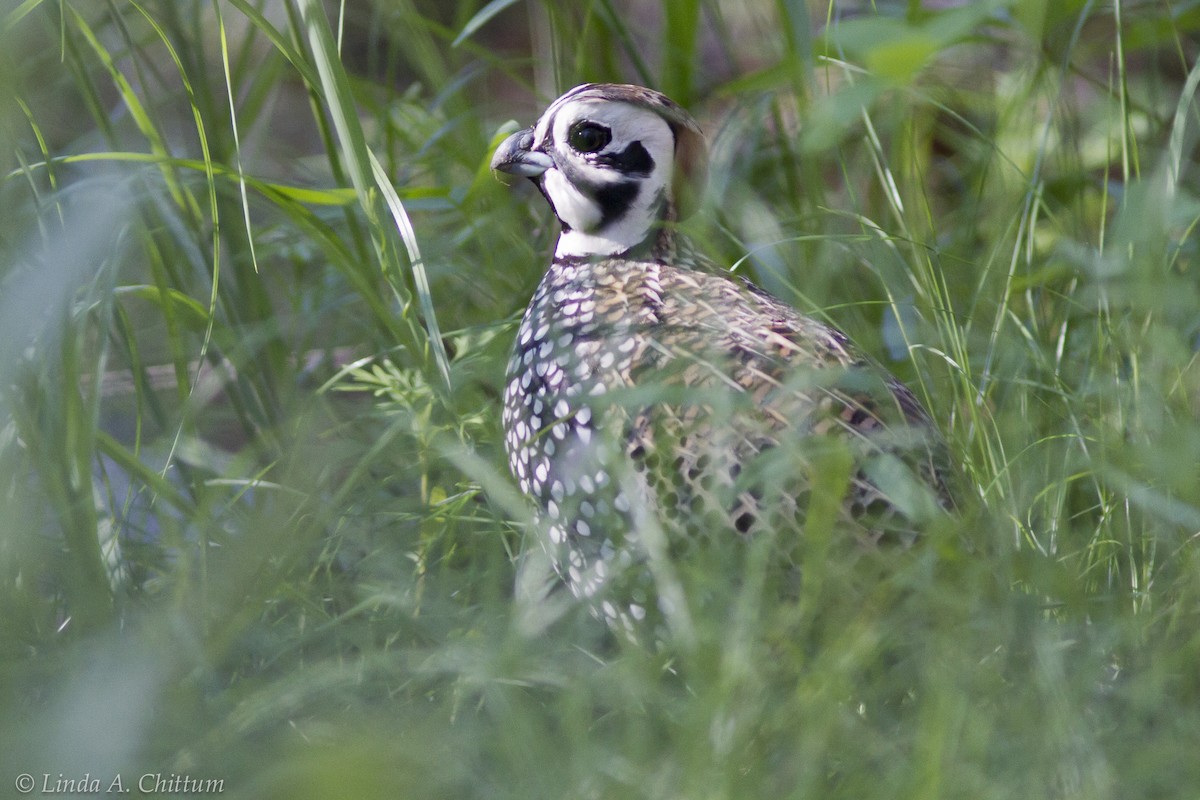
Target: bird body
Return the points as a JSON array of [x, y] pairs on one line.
[[648, 388]]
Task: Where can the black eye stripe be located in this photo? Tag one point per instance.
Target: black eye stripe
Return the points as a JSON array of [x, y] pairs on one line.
[[633, 160]]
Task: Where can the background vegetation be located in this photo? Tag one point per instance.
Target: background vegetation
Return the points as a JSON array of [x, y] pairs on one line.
[[257, 285]]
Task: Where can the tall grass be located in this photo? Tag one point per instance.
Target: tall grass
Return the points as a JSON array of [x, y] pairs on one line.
[[257, 286]]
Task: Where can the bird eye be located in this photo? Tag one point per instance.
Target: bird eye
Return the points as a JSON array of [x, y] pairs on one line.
[[588, 137]]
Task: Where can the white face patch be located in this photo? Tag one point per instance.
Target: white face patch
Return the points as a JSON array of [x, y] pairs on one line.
[[580, 213], [609, 200]]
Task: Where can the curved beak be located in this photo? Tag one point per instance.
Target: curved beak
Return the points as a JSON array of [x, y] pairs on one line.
[[516, 156]]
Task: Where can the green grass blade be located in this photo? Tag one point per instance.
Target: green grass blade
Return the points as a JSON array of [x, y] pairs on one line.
[[481, 18], [417, 266]]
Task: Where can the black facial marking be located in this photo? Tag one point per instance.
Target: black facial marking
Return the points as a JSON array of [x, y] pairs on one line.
[[633, 160], [615, 199]]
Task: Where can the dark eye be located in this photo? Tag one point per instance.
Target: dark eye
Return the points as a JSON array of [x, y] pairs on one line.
[[588, 137]]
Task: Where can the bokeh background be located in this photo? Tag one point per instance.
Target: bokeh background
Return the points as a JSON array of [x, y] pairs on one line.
[[257, 287]]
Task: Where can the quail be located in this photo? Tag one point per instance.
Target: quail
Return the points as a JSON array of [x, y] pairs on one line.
[[650, 391]]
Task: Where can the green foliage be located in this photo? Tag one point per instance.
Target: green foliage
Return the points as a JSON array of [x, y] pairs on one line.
[[257, 286]]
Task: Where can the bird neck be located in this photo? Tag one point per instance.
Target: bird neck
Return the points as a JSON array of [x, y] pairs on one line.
[[655, 238]]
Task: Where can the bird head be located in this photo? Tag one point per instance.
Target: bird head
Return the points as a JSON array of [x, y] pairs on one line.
[[615, 162]]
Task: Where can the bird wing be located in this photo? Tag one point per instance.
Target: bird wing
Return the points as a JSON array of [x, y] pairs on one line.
[[780, 375]]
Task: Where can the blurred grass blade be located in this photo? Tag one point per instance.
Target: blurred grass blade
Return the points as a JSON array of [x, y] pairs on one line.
[[17, 14], [370, 184], [139, 114], [190, 206], [197, 314], [129, 461], [480, 19], [680, 36], [278, 40], [335, 86], [417, 265], [1175, 146], [302, 194], [234, 131]]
